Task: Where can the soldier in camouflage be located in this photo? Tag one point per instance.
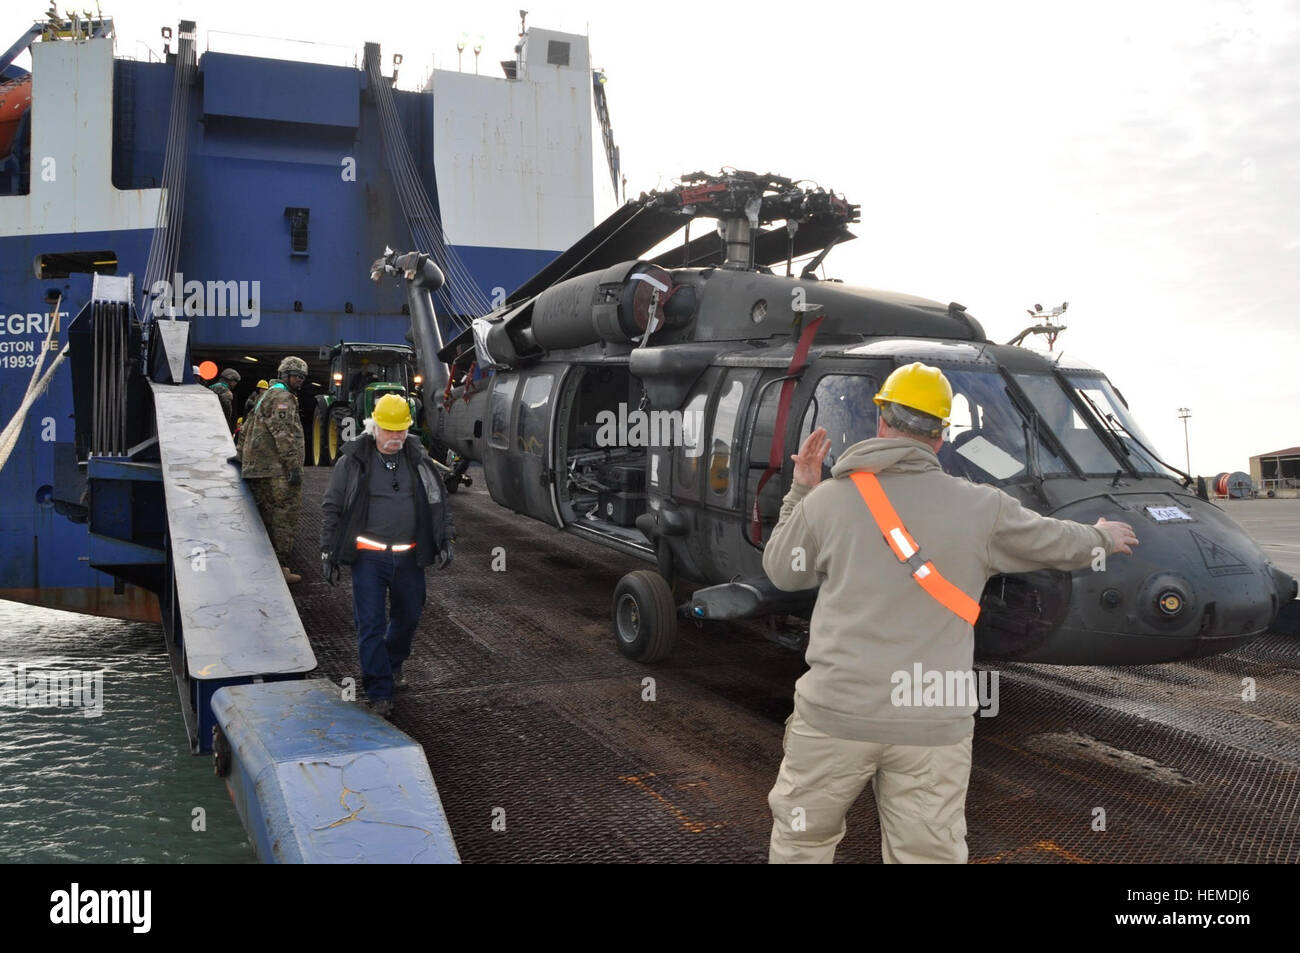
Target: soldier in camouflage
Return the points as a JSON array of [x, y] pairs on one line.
[[271, 452], [254, 397], [224, 388]]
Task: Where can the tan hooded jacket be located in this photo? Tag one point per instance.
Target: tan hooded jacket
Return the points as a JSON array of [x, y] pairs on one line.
[[872, 620]]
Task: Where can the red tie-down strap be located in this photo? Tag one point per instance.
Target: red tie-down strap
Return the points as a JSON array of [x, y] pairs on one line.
[[776, 458]]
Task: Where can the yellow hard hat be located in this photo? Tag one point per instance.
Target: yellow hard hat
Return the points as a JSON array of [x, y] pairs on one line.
[[392, 412], [920, 388], [262, 385]]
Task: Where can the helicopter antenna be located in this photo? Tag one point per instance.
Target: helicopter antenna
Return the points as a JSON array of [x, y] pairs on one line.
[[1051, 329]]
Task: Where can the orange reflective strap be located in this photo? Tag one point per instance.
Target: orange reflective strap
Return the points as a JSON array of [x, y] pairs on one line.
[[896, 534], [946, 594], [905, 548]]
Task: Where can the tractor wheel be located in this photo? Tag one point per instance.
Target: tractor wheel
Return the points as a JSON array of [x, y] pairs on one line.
[[339, 430], [320, 452], [645, 616]]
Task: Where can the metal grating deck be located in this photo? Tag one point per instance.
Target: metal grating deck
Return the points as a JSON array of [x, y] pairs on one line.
[[528, 714]]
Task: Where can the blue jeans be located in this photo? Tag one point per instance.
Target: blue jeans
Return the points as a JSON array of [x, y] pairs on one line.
[[383, 642]]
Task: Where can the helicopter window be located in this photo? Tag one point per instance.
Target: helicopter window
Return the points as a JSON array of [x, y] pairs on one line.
[[686, 465], [842, 403], [503, 393], [960, 418], [1102, 395], [1062, 418], [532, 413], [988, 432], [725, 417]]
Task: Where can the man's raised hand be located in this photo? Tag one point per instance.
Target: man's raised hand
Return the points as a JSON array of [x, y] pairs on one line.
[[808, 461]]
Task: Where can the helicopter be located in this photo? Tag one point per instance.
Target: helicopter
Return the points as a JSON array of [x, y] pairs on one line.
[[651, 404]]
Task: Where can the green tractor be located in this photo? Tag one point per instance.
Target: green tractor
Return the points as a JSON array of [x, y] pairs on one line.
[[359, 375]]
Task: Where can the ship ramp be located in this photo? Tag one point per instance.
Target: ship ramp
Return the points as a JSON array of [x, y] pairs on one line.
[[314, 776]]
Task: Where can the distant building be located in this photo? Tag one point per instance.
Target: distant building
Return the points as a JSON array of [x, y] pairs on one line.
[[1278, 472]]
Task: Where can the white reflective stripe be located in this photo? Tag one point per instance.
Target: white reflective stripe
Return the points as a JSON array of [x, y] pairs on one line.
[[922, 572], [402, 547], [652, 282], [903, 545], [372, 542]]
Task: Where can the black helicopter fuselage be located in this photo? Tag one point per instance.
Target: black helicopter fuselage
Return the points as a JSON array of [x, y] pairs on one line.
[[665, 448]]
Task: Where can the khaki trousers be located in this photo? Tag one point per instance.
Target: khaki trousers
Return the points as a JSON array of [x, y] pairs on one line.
[[920, 797]]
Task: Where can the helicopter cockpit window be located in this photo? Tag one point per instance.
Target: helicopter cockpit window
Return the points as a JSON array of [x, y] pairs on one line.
[[533, 404], [1062, 418], [1115, 416], [723, 439], [842, 403], [503, 392], [988, 432]]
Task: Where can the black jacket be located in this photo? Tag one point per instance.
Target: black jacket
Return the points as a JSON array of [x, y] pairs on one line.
[[347, 502]]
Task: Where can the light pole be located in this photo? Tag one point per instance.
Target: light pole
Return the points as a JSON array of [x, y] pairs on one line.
[[1183, 414]]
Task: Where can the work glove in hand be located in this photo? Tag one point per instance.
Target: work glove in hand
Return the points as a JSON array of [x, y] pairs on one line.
[[327, 569], [295, 476]]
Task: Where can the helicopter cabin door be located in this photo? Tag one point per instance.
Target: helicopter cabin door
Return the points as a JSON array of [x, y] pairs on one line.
[[518, 461]]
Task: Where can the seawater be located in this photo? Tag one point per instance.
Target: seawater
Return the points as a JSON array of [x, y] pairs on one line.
[[118, 788]]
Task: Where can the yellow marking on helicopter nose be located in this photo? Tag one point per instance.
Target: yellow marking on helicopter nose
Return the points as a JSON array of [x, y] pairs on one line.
[[205, 669]]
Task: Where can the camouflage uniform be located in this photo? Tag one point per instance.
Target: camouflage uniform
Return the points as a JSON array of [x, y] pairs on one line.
[[271, 449], [227, 398]]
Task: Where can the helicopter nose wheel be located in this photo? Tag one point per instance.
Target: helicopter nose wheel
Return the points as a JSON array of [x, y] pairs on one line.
[[645, 616]]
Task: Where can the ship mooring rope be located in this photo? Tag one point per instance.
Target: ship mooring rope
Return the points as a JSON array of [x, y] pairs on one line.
[[35, 388], [164, 248], [461, 291]]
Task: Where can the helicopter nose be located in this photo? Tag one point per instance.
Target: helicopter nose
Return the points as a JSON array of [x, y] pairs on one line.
[[1193, 586], [1194, 580]]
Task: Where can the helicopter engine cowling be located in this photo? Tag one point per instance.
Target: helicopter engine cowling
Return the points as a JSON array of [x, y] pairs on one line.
[[616, 305]]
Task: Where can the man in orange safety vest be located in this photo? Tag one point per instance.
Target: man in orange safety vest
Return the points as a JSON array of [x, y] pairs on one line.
[[890, 513]]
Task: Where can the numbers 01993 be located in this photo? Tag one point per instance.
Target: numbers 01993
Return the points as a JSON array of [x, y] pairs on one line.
[[18, 360]]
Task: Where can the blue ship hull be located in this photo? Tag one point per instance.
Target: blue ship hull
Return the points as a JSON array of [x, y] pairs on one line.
[[265, 136]]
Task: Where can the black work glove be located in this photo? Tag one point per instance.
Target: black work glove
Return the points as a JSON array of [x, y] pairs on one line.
[[295, 476], [327, 569], [447, 554], [234, 461]]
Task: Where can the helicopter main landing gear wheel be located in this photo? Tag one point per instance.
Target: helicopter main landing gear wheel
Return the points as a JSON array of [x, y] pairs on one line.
[[645, 616]]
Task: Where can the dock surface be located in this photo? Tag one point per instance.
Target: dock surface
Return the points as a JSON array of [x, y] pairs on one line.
[[546, 746]]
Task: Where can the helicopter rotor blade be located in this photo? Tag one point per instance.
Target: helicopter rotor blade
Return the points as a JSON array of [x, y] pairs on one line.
[[770, 246]]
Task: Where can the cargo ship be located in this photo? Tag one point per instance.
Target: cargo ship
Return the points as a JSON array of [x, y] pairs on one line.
[[222, 210], [249, 195]]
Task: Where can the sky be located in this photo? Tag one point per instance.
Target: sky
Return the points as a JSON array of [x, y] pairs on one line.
[[1138, 160]]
